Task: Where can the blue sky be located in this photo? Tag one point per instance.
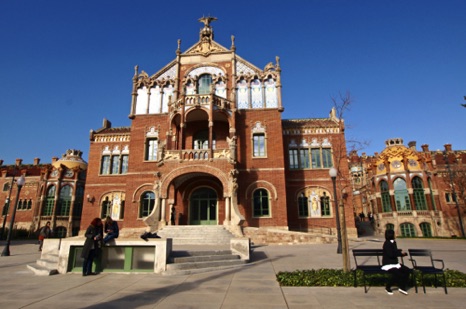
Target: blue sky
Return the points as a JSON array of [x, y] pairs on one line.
[[66, 65]]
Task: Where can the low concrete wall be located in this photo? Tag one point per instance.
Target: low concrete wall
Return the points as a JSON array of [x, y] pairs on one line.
[[241, 246], [162, 249]]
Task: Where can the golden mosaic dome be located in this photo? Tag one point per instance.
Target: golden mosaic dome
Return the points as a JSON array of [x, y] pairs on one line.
[[71, 159], [396, 157]]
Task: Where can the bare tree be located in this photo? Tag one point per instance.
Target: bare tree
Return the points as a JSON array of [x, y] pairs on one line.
[[455, 179], [341, 104]]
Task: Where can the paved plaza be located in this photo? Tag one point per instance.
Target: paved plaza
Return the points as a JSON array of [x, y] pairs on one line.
[[251, 286]]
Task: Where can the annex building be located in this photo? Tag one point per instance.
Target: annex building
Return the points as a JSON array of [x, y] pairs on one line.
[[52, 192], [416, 192], [207, 145]]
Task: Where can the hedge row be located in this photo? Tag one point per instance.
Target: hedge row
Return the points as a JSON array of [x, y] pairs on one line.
[[336, 277]]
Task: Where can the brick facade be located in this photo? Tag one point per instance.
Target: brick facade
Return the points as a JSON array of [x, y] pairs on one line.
[[219, 156]]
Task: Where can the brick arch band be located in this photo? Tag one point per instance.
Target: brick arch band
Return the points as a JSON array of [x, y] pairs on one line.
[[168, 179]]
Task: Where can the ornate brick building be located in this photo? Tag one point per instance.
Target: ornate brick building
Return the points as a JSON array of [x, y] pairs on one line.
[[207, 145], [411, 191], [52, 192]]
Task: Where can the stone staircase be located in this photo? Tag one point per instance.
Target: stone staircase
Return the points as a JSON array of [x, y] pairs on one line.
[[199, 248], [196, 234], [185, 262]]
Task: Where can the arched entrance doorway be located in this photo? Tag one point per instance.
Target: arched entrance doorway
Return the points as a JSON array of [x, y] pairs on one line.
[[203, 207]]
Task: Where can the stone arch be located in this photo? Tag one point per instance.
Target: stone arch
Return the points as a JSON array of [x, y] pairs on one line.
[[204, 169], [261, 184], [142, 188]]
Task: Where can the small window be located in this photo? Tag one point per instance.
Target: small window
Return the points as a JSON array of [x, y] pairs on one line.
[[124, 164], [105, 165], [151, 149], [327, 157], [115, 164], [6, 186], [293, 156], [315, 157], [261, 203], [321, 158], [259, 145], [450, 197]]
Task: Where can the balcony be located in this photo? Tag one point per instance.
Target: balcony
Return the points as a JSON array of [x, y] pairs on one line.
[[205, 100], [197, 154]]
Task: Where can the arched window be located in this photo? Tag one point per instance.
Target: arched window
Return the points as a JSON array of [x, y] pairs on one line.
[[401, 195], [220, 89], [386, 204], [426, 229], [242, 95], [49, 202], [113, 205], [146, 204], [418, 194], [106, 210], [64, 202], [256, 93], [303, 206], [6, 186], [270, 93], [408, 230], [261, 207], [190, 89], [203, 84]]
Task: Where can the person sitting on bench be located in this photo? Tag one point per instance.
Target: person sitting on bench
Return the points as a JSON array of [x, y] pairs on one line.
[[399, 274]]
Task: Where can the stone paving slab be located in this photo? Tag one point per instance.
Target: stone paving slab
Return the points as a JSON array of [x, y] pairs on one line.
[[252, 286]]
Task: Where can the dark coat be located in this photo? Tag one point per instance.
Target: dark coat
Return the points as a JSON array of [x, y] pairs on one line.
[[390, 253], [90, 243], [112, 227]]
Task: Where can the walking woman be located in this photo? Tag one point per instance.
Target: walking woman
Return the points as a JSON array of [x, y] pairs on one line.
[[93, 236]]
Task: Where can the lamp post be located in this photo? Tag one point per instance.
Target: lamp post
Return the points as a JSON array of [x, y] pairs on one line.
[[19, 183], [333, 174]]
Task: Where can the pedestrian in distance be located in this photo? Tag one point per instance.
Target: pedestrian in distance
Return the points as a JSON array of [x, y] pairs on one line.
[[173, 215], [398, 273], [44, 232], [91, 245]]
